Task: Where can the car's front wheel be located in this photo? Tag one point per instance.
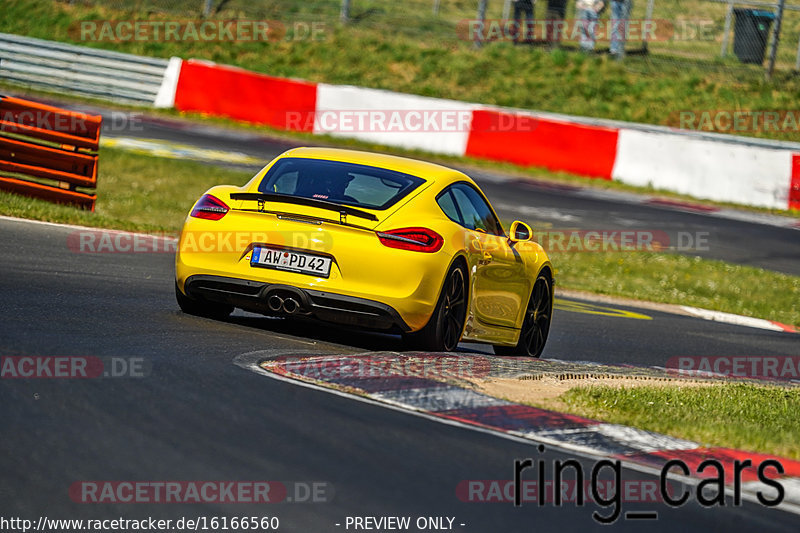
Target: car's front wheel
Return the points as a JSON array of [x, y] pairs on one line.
[[444, 329], [536, 325], [202, 308]]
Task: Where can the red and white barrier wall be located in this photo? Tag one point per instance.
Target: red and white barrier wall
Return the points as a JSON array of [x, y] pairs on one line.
[[715, 167], [721, 170], [247, 96], [339, 107], [542, 142]]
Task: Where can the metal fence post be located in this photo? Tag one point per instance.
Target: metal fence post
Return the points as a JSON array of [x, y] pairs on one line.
[[506, 9], [726, 34], [776, 39], [482, 19], [344, 15], [797, 61], [648, 17], [207, 7], [436, 7]]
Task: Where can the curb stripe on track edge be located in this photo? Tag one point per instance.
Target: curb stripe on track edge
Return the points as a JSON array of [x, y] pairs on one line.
[[637, 449]]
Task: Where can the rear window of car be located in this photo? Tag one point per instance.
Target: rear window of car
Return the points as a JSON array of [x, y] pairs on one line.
[[342, 183]]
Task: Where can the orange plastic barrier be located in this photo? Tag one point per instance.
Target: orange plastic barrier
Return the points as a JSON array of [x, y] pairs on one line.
[[48, 143]]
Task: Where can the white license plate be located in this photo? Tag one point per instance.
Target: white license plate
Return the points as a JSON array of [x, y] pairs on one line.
[[303, 263]]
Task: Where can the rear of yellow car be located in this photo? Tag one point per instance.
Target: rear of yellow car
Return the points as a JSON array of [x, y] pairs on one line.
[[252, 248], [367, 240]]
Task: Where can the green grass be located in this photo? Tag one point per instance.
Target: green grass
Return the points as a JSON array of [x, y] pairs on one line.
[[678, 279], [400, 46], [743, 416]]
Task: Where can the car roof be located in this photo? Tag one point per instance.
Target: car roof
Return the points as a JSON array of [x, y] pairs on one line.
[[428, 171]]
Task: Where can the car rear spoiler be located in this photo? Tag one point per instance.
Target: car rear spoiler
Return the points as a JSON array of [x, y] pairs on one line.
[[343, 210]]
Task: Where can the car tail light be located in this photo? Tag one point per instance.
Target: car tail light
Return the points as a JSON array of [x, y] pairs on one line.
[[414, 239], [210, 208]]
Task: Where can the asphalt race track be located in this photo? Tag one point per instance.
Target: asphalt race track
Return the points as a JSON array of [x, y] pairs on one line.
[[195, 415]]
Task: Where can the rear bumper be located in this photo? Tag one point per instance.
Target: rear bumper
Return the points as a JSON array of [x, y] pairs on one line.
[[330, 307]]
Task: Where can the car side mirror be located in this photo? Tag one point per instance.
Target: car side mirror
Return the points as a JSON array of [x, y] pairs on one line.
[[520, 232]]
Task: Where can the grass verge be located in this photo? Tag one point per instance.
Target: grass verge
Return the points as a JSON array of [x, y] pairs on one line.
[[735, 415], [678, 279], [377, 50]]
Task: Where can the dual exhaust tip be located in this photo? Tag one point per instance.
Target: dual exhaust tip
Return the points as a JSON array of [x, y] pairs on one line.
[[290, 306]]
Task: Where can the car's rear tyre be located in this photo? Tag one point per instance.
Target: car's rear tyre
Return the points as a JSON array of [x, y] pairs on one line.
[[536, 325], [202, 308], [444, 329]]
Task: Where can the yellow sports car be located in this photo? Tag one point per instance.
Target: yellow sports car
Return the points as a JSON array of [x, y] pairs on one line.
[[367, 240]]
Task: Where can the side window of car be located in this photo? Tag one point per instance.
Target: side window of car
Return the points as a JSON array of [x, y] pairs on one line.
[[475, 212], [472, 218], [448, 205]]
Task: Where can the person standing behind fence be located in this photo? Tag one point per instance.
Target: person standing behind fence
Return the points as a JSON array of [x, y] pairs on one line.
[[588, 13], [556, 13], [620, 13], [523, 7]]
